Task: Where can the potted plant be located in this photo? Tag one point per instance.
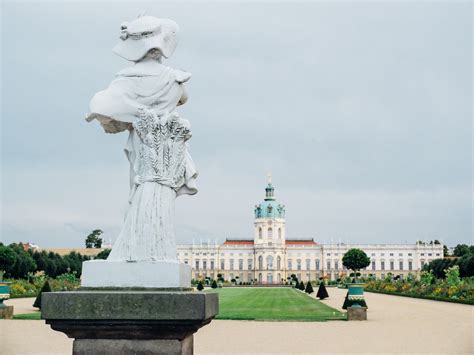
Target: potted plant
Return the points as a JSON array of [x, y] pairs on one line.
[[355, 260]]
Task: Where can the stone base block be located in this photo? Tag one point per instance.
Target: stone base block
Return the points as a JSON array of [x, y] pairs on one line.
[[136, 347], [357, 313], [153, 274], [6, 312], [129, 322]]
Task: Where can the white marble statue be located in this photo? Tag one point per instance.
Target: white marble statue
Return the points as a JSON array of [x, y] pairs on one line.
[[142, 100]]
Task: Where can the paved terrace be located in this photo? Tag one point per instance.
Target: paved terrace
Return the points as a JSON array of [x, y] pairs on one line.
[[395, 325]]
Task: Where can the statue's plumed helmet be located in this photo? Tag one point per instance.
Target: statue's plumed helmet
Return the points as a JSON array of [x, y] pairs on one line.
[[145, 33]]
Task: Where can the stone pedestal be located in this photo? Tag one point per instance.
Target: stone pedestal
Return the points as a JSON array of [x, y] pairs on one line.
[[356, 313], [129, 322], [105, 273], [6, 312]]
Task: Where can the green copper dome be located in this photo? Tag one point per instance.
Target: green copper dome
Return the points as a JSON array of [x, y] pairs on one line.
[[269, 208]]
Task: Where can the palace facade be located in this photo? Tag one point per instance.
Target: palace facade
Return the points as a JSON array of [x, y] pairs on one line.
[[270, 257]]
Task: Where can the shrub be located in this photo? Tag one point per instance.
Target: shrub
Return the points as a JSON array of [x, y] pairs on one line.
[[309, 288], [297, 285], [322, 292], [46, 288], [452, 276], [214, 284], [427, 278], [301, 286], [200, 287]]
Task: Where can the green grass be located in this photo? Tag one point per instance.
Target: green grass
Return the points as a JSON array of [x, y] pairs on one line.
[[274, 304], [28, 316]]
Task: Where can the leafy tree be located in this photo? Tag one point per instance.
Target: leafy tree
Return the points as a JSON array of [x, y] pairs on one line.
[[466, 265], [214, 284], [46, 288], [438, 267], [51, 267], [93, 240], [200, 287], [355, 259], [461, 250], [74, 261], [445, 251], [7, 259], [309, 288], [104, 254], [24, 262], [41, 260], [322, 292]]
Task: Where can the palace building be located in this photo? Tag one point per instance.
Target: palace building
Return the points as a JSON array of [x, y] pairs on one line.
[[270, 257]]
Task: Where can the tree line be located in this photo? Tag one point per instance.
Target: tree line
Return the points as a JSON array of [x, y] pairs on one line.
[[17, 263], [463, 256]]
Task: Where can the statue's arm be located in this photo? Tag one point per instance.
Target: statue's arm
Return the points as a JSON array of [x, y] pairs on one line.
[[109, 124], [181, 77]]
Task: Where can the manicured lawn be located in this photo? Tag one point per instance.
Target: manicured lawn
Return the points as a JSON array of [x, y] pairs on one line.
[[275, 304], [28, 316]]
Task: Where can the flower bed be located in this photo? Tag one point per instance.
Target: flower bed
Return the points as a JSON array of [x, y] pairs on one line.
[[450, 289], [433, 298], [30, 288]]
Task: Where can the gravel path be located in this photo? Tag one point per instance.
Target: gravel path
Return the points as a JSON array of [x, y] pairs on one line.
[[22, 305], [395, 325]]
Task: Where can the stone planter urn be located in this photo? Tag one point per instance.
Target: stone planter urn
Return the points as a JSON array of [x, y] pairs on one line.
[[355, 302], [6, 312], [356, 292]]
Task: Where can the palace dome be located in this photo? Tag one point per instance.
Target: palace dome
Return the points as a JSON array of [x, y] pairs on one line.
[[269, 208]]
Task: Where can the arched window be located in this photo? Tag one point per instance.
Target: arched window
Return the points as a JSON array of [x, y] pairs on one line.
[[279, 233], [260, 262], [270, 233], [269, 262], [278, 264], [260, 233]]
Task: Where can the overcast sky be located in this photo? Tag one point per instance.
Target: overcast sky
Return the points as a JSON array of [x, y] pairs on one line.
[[361, 111]]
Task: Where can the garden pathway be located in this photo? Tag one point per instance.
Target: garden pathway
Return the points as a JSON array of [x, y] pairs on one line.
[[22, 305], [395, 325]]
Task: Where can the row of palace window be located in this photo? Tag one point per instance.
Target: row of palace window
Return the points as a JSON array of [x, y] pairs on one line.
[[269, 265], [392, 265], [269, 233]]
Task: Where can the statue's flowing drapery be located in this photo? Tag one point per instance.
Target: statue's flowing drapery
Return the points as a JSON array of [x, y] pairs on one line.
[[143, 99]]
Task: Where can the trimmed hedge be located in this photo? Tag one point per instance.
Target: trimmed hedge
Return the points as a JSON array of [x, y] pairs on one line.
[[432, 298]]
